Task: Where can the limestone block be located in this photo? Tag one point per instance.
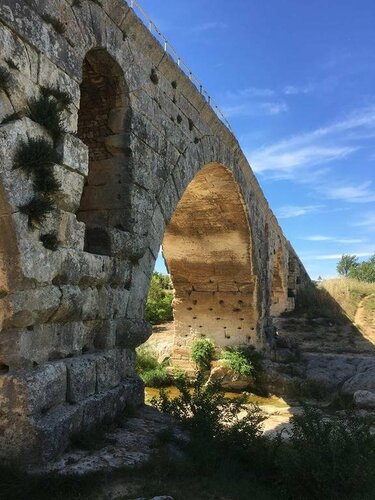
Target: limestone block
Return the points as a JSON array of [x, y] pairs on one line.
[[25, 348], [53, 431], [30, 307], [94, 269], [70, 231], [130, 333], [74, 154], [104, 406], [99, 334], [125, 244], [32, 251], [363, 380], [129, 360], [71, 186], [90, 300], [6, 107], [30, 392], [51, 75], [330, 372], [22, 55], [109, 370], [122, 272], [81, 380], [70, 304], [364, 399], [138, 293]]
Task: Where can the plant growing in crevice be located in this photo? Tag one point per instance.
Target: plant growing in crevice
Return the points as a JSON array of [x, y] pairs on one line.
[[45, 182], [47, 112], [37, 210], [35, 155], [5, 79], [62, 97], [57, 25], [50, 241], [202, 353]]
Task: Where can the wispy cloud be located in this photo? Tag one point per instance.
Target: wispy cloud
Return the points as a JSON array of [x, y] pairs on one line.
[[333, 239], [209, 26], [367, 220], [298, 89], [289, 211], [336, 256], [294, 158], [360, 193]]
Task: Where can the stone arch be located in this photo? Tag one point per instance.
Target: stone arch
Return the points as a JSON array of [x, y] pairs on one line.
[[208, 250], [104, 119], [278, 285]]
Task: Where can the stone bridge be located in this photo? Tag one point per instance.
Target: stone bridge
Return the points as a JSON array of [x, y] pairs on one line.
[[108, 152]]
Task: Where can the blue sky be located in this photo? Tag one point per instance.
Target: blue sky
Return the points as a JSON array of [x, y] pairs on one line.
[[296, 80]]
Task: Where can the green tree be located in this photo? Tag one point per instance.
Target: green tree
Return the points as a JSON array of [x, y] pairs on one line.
[[159, 301], [365, 271], [346, 263]]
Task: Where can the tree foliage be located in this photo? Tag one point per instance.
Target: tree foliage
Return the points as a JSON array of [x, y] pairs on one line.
[[363, 271], [159, 301], [202, 353]]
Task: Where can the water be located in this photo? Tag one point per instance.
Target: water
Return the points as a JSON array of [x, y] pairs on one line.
[[151, 392]]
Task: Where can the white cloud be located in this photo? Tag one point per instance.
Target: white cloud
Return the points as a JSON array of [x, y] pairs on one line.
[[200, 28], [318, 238], [290, 211], [361, 193], [296, 90], [336, 256], [250, 92], [251, 108]]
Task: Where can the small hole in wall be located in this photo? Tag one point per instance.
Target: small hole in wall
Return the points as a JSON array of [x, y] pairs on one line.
[[242, 319], [4, 368], [240, 301], [221, 301], [200, 326], [172, 119], [35, 364], [85, 349], [235, 310], [189, 308], [195, 302], [30, 328], [194, 317], [154, 77], [239, 328], [210, 309], [191, 124], [189, 326], [174, 84], [179, 119], [218, 319]]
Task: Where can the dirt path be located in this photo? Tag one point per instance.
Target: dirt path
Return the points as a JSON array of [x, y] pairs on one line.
[[365, 319]]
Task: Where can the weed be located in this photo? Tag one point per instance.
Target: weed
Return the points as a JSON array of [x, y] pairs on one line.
[[57, 25], [37, 209], [50, 241], [35, 155], [235, 358], [202, 353], [46, 183], [63, 97], [47, 112], [5, 79]]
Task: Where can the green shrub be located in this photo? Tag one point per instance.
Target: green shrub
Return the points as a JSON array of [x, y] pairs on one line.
[[62, 97], [242, 360], [47, 112], [202, 353], [153, 373], [220, 439], [37, 209], [159, 307], [331, 459], [45, 182], [35, 155]]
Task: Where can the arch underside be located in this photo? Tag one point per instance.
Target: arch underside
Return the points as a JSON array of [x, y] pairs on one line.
[[207, 247]]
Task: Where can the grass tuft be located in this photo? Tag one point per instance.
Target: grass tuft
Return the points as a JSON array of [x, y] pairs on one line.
[[63, 97], [46, 183], [35, 155], [47, 112], [50, 241], [37, 210]]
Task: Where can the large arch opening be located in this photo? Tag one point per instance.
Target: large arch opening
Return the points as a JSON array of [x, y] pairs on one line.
[[208, 251], [103, 120]]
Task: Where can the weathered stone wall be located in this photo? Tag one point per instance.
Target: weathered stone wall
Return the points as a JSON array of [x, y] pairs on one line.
[[137, 133]]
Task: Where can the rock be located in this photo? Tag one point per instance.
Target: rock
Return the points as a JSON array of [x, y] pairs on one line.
[[330, 371], [229, 379], [364, 399], [363, 380]]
